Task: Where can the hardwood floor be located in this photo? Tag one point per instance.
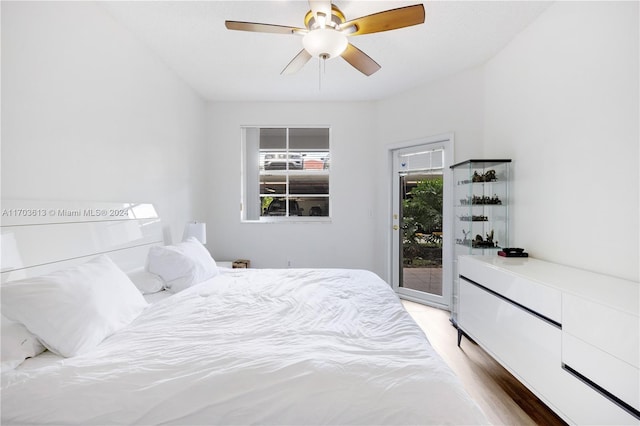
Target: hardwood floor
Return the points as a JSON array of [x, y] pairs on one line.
[[504, 400]]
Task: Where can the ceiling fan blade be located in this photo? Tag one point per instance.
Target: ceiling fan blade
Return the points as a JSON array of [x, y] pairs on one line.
[[262, 28], [360, 60], [385, 21], [297, 63]]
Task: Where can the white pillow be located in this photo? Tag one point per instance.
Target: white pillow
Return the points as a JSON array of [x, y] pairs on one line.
[[146, 282], [182, 265], [73, 310], [18, 344]]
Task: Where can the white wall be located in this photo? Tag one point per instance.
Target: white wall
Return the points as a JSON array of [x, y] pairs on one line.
[[562, 102], [89, 113], [358, 235], [345, 242], [450, 105]]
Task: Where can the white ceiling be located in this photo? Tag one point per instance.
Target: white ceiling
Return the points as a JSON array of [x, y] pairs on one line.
[[224, 65]]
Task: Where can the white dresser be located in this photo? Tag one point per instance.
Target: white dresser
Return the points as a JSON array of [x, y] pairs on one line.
[[571, 336]]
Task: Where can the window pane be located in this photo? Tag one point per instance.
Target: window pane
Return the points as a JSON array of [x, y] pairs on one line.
[[426, 160], [309, 139], [314, 206], [316, 184], [273, 149], [277, 160], [316, 161], [277, 206], [313, 145], [273, 138], [298, 206], [273, 184]]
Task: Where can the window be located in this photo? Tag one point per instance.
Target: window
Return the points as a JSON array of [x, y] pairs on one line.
[[285, 173]]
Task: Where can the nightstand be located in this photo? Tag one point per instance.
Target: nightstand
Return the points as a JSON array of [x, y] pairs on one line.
[[235, 264], [241, 263]]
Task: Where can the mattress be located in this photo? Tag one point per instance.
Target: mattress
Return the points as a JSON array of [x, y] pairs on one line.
[[293, 346]]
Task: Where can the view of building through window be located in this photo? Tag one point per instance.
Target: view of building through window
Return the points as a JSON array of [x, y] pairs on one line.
[[286, 172]]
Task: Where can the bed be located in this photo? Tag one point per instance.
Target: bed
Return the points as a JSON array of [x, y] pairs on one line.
[[289, 346]]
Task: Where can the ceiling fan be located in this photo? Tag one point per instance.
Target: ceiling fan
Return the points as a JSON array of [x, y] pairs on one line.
[[326, 31]]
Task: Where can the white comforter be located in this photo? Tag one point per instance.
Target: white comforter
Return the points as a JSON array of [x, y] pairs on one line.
[[252, 347]]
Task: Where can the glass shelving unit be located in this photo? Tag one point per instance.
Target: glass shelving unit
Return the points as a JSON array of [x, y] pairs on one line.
[[481, 209]]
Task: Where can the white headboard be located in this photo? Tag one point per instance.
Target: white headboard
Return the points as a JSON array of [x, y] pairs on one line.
[[42, 236]]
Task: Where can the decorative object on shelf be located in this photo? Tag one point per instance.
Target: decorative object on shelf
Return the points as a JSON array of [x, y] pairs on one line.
[[474, 218], [241, 264], [488, 176], [197, 230], [479, 242], [464, 241], [481, 200], [513, 252]]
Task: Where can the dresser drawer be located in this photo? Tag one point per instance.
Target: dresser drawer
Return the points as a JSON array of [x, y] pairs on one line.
[[615, 376], [613, 331], [523, 343], [581, 404], [603, 345], [542, 299]]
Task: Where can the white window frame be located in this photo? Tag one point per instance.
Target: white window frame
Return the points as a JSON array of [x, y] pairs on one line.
[[249, 190]]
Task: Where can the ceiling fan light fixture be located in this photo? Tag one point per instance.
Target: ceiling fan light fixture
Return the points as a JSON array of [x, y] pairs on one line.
[[325, 43]]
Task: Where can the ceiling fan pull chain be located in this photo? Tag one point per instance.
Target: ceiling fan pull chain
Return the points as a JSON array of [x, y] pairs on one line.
[[322, 68]]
